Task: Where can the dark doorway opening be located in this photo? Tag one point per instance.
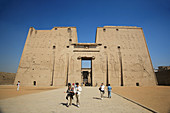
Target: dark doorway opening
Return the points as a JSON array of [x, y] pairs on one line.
[[34, 83], [137, 84], [86, 71], [85, 77]]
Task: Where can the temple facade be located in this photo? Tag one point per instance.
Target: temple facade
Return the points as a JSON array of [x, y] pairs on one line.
[[119, 57]]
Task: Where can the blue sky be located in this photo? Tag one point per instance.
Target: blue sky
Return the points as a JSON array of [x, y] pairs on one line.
[[86, 64], [16, 16]]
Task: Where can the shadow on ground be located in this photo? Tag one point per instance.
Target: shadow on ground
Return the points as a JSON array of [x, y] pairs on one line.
[[1, 111], [65, 104], [97, 98]]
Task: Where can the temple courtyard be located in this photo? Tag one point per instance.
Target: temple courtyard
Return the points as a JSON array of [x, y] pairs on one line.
[[52, 100]]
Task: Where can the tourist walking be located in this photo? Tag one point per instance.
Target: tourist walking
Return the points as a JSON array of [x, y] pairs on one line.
[[109, 88], [70, 94], [73, 86], [78, 90], [18, 84], [102, 90]]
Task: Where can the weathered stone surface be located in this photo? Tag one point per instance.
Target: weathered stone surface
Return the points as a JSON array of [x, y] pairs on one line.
[[7, 78], [119, 56], [163, 75]]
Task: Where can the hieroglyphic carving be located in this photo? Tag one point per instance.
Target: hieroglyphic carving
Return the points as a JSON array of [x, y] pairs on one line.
[[72, 64], [103, 62], [61, 65], [112, 63], [139, 67], [62, 61]]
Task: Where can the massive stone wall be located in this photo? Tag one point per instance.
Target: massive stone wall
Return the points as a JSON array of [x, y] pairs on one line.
[[53, 57], [45, 55], [127, 50]]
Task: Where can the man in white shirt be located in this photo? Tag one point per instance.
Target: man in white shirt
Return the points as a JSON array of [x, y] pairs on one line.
[[78, 90], [102, 90]]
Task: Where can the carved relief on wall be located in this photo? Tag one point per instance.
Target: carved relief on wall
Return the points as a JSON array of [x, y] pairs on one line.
[[103, 62], [60, 66], [140, 67], [61, 72], [112, 64], [72, 64], [26, 63]]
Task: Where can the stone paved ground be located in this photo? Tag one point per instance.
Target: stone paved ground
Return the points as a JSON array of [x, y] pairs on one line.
[[54, 101]]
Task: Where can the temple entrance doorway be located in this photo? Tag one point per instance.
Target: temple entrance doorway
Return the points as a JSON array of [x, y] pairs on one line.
[[86, 71]]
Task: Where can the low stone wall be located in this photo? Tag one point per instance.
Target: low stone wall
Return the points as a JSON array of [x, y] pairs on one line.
[[163, 77], [7, 78]]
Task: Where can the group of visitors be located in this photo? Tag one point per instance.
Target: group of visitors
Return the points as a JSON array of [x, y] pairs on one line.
[[75, 89], [102, 90], [71, 91]]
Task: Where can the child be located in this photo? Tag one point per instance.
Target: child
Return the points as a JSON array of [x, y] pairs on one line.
[[109, 90]]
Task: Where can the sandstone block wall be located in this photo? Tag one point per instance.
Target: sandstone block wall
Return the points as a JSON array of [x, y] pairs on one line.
[[53, 57], [7, 78]]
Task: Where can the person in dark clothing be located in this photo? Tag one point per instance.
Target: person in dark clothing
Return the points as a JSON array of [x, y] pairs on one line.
[[70, 94]]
